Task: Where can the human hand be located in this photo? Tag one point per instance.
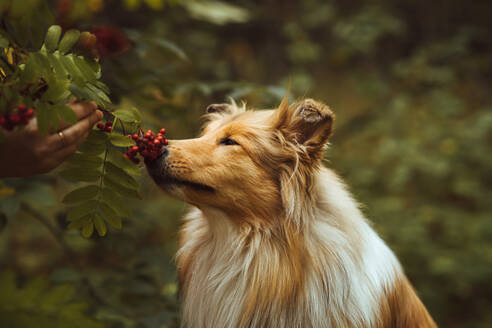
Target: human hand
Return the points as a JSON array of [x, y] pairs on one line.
[[26, 152]]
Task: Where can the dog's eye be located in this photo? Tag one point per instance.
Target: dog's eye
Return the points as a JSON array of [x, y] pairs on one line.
[[227, 142]]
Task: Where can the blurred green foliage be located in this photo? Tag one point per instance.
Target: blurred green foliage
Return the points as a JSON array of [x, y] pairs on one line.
[[408, 80]]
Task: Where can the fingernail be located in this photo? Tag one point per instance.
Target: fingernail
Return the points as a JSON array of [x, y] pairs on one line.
[[99, 114]]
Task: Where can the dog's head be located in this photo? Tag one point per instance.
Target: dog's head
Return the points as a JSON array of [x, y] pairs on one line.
[[247, 163]]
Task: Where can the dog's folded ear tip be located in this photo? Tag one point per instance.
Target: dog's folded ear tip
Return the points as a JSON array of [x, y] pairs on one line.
[[313, 111]]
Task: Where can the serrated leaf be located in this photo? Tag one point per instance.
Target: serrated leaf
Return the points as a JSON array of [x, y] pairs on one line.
[[84, 159], [95, 143], [115, 186], [118, 204], [81, 194], [41, 63], [100, 225], [110, 216], [57, 90], [85, 68], [82, 210], [82, 174], [98, 92], [136, 113], [72, 69], [117, 158], [78, 92], [52, 38], [88, 229], [66, 114], [46, 117], [68, 41], [104, 88], [43, 119], [123, 178], [54, 60], [121, 140], [126, 116]]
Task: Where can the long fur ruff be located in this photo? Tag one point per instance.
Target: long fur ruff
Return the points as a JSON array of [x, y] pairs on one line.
[[312, 260]]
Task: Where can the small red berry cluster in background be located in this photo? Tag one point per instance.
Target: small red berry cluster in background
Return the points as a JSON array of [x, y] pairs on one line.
[[21, 116], [148, 145], [108, 127]]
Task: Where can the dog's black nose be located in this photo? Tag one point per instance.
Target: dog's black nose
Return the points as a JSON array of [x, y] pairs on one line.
[[164, 153], [158, 161]]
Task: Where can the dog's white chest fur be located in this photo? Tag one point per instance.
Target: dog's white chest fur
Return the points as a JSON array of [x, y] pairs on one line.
[[349, 268]]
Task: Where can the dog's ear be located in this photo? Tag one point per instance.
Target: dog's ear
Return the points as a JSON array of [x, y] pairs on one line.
[[308, 123]]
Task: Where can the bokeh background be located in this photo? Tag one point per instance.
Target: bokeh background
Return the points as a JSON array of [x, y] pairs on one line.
[[409, 81]]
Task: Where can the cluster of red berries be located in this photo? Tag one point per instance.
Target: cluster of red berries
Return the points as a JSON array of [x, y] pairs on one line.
[[19, 117], [108, 127], [149, 145]]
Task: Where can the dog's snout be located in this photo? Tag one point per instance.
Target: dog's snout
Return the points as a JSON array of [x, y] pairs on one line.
[[164, 153], [158, 162]]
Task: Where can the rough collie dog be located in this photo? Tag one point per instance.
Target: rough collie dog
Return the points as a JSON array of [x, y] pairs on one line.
[[273, 238]]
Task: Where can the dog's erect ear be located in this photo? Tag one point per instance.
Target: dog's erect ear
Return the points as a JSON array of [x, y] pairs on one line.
[[307, 122]]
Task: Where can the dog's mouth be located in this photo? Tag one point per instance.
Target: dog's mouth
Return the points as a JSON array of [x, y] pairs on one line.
[[168, 180]]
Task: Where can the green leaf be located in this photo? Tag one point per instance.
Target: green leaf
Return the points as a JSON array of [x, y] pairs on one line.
[[137, 114], [72, 69], [43, 120], [98, 92], [121, 140], [85, 68], [54, 60], [101, 85], [110, 216], [84, 159], [81, 194], [88, 229], [57, 90], [100, 225], [46, 117], [95, 143], [126, 116], [123, 178], [82, 210], [118, 204], [66, 114], [68, 41], [97, 137], [41, 63], [124, 191], [82, 174], [78, 92], [52, 38], [117, 158]]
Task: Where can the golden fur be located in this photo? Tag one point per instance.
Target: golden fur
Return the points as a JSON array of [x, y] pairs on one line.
[[273, 238]]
